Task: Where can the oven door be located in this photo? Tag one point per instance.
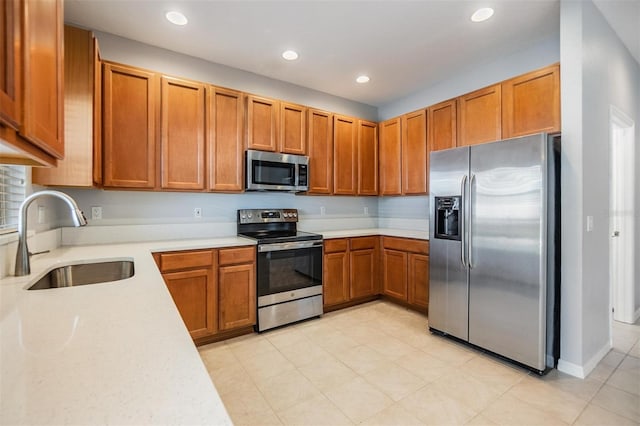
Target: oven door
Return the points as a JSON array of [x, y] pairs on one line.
[[289, 271]]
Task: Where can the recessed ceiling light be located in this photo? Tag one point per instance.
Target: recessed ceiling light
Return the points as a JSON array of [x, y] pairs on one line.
[[481, 15], [363, 79], [290, 55], [176, 18]]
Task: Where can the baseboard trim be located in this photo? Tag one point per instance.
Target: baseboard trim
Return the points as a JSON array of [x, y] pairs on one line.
[[582, 371]]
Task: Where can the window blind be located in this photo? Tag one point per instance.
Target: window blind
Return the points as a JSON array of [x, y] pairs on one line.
[[12, 187]]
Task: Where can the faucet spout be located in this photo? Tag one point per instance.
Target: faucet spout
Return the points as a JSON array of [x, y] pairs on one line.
[[23, 266]]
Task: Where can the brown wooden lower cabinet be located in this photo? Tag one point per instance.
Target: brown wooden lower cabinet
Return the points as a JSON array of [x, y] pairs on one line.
[[406, 271], [214, 290], [350, 271]]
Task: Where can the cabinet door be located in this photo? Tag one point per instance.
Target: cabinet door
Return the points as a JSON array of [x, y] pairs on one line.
[[293, 128], [419, 280], [182, 140], [225, 145], [320, 140], [43, 75], [130, 122], [395, 273], [335, 278], [441, 123], [391, 157], [10, 71], [194, 294], [80, 138], [345, 155], [237, 296], [367, 158], [414, 153], [480, 114], [531, 103], [363, 273], [262, 123]]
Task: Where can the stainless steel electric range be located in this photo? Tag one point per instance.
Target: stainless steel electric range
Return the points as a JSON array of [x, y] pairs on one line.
[[289, 266]]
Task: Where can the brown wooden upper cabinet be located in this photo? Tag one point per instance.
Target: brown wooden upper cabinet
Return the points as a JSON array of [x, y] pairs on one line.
[[414, 153], [293, 129], [320, 147], [31, 81], [183, 134], [531, 103], [480, 116], [130, 120], [225, 143], [367, 158], [262, 123], [345, 155], [82, 164], [403, 154], [441, 125], [391, 157]]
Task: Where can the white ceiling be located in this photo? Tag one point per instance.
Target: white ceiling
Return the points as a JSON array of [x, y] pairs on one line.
[[402, 45]]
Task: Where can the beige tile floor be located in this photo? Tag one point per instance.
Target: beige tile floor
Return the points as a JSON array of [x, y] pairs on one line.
[[376, 364]]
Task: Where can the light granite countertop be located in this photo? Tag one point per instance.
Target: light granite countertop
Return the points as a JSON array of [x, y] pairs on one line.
[[110, 353]]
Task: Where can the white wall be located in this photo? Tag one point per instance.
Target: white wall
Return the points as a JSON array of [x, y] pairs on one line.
[[126, 51], [597, 71], [541, 54]]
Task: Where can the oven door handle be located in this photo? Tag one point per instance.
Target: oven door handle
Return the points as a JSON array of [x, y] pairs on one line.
[[289, 246]]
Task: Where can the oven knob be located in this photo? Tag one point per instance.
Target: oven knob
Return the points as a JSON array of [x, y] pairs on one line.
[[285, 215], [295, 214], [249, 215]]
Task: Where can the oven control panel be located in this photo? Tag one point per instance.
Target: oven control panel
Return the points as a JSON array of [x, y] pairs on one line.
[[267, 215]]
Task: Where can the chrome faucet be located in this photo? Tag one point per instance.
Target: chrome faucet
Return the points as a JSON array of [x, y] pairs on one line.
[[23, 266]]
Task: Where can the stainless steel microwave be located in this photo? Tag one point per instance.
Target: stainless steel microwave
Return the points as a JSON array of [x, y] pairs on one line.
[[270, 171]]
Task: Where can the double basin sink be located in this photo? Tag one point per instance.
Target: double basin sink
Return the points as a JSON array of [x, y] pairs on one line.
[[85, 273]]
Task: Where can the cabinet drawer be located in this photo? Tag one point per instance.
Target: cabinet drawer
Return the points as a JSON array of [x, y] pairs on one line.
[[185, 260], [362, 243], [332, 246], [406, 244], [231, 256]]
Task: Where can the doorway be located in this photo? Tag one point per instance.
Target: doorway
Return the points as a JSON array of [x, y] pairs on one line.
[[621, 215]]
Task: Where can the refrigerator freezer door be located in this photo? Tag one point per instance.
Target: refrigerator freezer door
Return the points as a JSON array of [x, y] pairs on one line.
[[507, 279], [448, 280]]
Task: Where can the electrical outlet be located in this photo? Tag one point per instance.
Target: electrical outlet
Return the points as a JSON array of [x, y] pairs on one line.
[[197, 212], [96, 213], [41, 214], [323, 211], [589, 223], [366, 211]]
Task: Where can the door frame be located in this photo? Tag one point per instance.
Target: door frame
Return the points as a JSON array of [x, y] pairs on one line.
[[621, 178]]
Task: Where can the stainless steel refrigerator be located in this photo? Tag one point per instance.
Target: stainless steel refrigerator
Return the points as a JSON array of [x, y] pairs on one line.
[[494, 247]]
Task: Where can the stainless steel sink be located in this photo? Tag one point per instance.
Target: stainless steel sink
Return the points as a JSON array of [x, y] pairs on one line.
[[85, 273]]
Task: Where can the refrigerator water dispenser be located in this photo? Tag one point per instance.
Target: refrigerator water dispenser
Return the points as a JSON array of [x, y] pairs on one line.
[[447, 218]]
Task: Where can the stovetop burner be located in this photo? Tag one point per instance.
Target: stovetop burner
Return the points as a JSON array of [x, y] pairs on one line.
[[272, 226]]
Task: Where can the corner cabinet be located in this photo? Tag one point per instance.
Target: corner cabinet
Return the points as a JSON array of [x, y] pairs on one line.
[[213, 289], [31, 82], [130, 123], [391, 157], [82, 164], [414, 153]]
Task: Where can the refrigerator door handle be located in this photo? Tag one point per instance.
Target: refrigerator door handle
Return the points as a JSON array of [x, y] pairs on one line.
[[470, 238], [463, 191]]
